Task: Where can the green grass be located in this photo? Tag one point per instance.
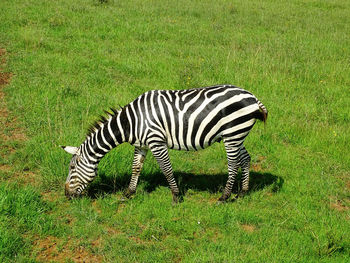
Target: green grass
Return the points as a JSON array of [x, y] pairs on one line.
[[72, 59]]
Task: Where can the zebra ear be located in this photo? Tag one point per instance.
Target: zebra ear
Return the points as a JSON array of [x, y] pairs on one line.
[[70, 149]]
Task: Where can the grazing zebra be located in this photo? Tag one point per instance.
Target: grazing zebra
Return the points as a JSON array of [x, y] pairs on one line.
[[177, 119]]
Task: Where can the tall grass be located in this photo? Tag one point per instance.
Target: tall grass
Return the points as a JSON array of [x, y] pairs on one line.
[[73, 59]]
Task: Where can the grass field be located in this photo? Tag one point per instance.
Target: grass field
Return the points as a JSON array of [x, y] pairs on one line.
[[64, 62]]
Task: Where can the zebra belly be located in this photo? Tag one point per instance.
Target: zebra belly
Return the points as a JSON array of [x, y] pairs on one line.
[[190, 147]]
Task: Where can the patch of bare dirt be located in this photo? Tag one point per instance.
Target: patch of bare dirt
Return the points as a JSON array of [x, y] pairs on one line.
[[5, 167], [113, 231], [96, 207], [2, 58], [217, 236], [138, 240], [2, 51], [53, 249], [257, 166], [5, 78], [97, 243], [24, 177], [339, 205], [348, 185], [52, 196], [248, 228]]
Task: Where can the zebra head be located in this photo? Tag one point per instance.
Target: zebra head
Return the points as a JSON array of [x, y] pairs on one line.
[[80, 173]]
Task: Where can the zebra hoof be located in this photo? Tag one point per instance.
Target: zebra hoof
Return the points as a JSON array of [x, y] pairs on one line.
[[123, 199], [241, 194], [128, 193], [177, 199], [222, 199]]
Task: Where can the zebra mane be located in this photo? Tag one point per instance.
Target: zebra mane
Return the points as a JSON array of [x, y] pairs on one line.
[[103, 120]]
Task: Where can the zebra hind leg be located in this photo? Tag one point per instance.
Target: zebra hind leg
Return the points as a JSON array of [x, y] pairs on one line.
[[232, 152], [245, 165], [139, 158], [162, 157]]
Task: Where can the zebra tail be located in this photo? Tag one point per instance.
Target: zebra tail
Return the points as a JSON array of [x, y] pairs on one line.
[[262, 114]]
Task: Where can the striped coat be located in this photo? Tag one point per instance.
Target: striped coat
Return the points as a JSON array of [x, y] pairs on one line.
[[176, 119]]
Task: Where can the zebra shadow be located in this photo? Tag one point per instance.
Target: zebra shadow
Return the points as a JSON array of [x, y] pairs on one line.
[[213, 183]]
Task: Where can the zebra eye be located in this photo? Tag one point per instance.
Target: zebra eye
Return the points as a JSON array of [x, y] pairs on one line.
[[72, 167]]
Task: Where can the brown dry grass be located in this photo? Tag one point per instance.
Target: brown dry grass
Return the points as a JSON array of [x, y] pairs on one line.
[[248, 228], [52, 249], [339, 205], [257, 167]]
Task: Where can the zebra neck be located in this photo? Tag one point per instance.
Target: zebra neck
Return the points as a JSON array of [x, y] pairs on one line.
[[104, 138]]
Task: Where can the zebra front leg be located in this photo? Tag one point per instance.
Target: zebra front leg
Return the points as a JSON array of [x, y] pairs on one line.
[[162, 157], [245, 165], [233, 165], [139, 158]]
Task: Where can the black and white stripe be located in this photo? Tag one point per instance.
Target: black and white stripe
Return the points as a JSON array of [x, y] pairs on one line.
[[176, 119]]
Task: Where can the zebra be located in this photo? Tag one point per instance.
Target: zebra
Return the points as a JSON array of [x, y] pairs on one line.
[[159, 120]]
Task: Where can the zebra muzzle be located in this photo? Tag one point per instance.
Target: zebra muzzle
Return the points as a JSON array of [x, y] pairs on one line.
[[67, 191]]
